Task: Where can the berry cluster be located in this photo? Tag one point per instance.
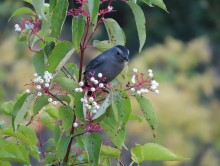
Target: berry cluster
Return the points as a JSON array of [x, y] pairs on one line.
[[42, 85], [143, 85]]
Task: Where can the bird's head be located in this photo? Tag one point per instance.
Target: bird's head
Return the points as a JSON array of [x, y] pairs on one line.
[[121, 53]]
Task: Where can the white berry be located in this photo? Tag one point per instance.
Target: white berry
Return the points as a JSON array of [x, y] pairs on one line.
[[100, 75], [132, 89], [97, 107], [139, 92], [35, 74], [41, 81], [54, 102], [157, 92], [28, 91], [80, 90], [92, 79], [150, 70], [77, 90], [135, 70], [75, 125], [81, 84], [50, 100], [93, 89], [91, 99], [47, 85], [38, 87], [39, 94], [94, 103], [150, 74], [101, 85]]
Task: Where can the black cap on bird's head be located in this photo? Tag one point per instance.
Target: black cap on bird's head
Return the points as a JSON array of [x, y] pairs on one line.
[[123, 52]]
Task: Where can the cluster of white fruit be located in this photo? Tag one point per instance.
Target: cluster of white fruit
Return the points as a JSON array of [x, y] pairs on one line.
[[90, 104], [97, 84], [152, 87], [17, 28], [42, 83]]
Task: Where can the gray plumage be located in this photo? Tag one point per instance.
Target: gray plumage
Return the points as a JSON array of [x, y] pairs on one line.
[[110, 63]]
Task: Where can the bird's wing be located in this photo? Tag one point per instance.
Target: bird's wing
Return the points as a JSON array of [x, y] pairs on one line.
[[94, 63]]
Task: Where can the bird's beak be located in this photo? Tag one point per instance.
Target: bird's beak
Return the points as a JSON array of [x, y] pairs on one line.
[[126, 58]]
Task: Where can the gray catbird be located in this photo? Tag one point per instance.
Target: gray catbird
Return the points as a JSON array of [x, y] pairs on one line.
[[110, 63]]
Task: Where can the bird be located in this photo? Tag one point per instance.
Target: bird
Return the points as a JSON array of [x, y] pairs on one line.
[[109, 63]]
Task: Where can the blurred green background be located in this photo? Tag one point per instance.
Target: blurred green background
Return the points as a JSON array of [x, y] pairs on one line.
[[182, 48]]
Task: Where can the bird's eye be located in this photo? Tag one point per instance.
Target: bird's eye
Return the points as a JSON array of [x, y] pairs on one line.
[[118, 53]]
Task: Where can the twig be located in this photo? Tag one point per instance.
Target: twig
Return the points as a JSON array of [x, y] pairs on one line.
[[56, 98]]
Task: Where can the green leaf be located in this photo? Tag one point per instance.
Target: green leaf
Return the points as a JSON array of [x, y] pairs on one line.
[[115, 33], [140, 23], [39, 7], [52, 5], [60, 54], [123, 107], [49, 47], [110, 151], [38, 62], [152, 151], [158, 3], [29, 133], [59, 16], [20, 108], [93, 11], [66, 84], [51, 159], [64, 98], [103, 107], [52, 112], [13, 152], [39, 104], [148, 112], [5, 163], [117, 136], [47, 121], [78, 106], [62, 146], [135, 117], [57, 133], [137, 154], [66, 116], [78, 25], [7, 107], [102, 45], [23, 10], [92, 143]]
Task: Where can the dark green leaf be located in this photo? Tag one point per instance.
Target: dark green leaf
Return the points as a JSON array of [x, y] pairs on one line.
[[62, 146], [13, 152], [50, 159], [78, 25], [20, 108], [47, 121], [66, 115], [115, 33], [60, 54], [7, 107], [110, 151], [39, 104], [48, 48], [59, 16], [102, 45], [93, 10], [38, 62], [92, 143], [152, 151], [23, 10], [140, 23], [78, 106], [148, 112], [39, 7]]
